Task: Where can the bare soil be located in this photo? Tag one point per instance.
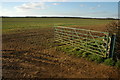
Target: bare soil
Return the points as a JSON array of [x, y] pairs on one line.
[[32, 54]]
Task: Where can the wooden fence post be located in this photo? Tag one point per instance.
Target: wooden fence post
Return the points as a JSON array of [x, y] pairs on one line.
[[112, 46]]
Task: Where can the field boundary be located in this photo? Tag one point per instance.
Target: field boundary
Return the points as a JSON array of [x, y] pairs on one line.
[[97, 42]]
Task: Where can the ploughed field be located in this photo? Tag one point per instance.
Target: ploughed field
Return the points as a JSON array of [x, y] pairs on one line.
[[29, 51]]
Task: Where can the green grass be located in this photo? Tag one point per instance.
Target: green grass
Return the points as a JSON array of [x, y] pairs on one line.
[[88, 56], [96, 58], [118, 64], [109, 62], [85, 54], [12, 24]]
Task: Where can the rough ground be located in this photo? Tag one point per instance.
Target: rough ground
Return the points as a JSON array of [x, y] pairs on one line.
[[31, 54]]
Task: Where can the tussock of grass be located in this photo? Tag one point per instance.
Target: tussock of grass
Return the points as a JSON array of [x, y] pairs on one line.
[[109, 62], [85, 54], [118, 64], [96, 58]]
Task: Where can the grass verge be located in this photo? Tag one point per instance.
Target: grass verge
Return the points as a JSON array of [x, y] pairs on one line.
[[77, 52]]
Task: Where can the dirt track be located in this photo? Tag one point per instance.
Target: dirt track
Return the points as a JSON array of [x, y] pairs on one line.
[[31, 54]]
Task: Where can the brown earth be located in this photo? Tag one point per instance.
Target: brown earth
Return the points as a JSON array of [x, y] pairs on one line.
[[32, 54]]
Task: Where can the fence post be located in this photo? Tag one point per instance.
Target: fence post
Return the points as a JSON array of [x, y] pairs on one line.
[[112, 46]]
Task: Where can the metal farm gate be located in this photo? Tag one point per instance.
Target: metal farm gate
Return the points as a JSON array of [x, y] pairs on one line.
[[88, 40]]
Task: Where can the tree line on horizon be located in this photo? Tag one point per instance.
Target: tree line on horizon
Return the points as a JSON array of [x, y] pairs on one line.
[[59, 17]]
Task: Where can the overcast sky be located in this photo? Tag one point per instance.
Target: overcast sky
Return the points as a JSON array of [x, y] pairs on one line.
[[60, 8]]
